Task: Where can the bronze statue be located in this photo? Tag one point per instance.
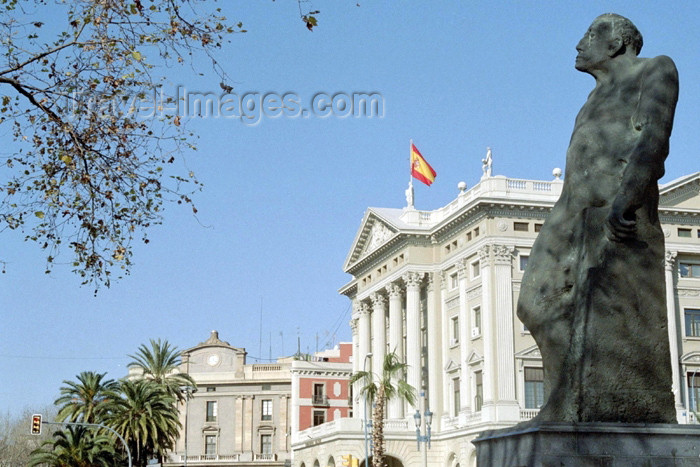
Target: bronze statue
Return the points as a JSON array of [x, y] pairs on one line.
[[593, 294]]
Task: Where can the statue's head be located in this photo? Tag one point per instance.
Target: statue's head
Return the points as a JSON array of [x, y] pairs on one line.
[[610, 35], [631, 37]]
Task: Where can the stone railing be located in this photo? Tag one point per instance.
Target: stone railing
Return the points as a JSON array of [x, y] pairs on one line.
[[395, 425], [265, 457], [527, 414], [492, 187], [210, 458]]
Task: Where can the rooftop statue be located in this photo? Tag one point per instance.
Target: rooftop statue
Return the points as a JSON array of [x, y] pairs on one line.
[[593, 294]]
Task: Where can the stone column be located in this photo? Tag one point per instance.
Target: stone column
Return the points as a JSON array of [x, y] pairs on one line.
[[413, 342], [465, 401], [363, 332], [249, 414], [378, 331], [238, 425], [354, 325], [283, 423], [670, 262], [434, 336], [487, 318], [445, 348], [395, 409], [505, 375]]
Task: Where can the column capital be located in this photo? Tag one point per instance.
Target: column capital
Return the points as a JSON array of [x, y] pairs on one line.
[[670, 260], [484, 253], [503, 254], [364, 309], [394, 290], [443, 279], [413, 279], [462, 268], [378, 300]]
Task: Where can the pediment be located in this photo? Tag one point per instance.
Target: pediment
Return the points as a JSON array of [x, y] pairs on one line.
[[682, 193], [474, 358], [531, 353], [451, 366], [691, 358], [373, 233]]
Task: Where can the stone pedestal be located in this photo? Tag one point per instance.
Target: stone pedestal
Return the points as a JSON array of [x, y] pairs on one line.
[[590, 444]]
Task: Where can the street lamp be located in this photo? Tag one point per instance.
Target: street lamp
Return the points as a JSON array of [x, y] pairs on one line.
[[188, 391], [425, 421], [364, 369]]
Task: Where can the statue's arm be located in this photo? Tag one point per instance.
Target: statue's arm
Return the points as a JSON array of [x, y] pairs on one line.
[[653, 121]]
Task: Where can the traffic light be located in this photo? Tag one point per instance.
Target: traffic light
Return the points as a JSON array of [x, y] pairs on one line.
[[349, 461], [355, 462], [36, 424]]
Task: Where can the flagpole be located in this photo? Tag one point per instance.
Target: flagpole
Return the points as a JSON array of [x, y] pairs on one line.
[[409, 192]]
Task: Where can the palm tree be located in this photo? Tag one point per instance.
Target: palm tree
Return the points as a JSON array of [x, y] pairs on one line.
[[381, 391], [161, 364], [146, 416], [75, 446], [87, 399]]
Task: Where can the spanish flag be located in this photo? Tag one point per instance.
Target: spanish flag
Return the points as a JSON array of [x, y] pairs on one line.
[[420, 169]]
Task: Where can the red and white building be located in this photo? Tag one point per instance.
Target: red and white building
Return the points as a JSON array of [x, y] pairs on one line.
[[320, 389]]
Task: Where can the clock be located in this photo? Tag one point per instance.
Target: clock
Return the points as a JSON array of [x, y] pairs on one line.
[[213, 359]]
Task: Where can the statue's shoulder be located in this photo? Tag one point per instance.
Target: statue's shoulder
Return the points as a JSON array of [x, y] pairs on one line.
[[662, 64]]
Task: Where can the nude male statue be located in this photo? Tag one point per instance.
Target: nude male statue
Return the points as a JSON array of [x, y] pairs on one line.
[[593, 294]]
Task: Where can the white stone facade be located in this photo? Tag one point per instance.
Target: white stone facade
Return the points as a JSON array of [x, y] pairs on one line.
[[440, 289]]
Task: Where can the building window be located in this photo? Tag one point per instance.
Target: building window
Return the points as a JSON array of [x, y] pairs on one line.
[[521, 226], [266, 444], [534, 388], [319, 394], [476, 269], [211, 411], [476, 232], [689, 269], [319, 417], [266, 387], [694, 390], [476, 319], [210, 445], [456, 404], [523, 261], [211, 389], [455, 330], [478, 391], [266, 413], [538, 227], [684, 233], [454, 281], [692, 322], [469, 236]]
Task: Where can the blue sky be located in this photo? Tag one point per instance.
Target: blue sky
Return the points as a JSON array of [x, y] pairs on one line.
[[283, 199]]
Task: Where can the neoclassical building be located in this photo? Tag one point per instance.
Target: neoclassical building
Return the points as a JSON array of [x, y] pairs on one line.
[[439, 288]]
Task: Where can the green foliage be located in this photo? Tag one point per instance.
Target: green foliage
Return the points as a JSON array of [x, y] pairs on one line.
[[160, 363], [381, 388], [76, 446], [147, 417], [142, 408], [86, 400]]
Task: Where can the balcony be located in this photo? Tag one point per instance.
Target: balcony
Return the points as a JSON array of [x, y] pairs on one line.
[[176, 459], [320, 399]]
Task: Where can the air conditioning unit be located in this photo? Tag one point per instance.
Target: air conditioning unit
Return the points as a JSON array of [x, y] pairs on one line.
[[476, 332]]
